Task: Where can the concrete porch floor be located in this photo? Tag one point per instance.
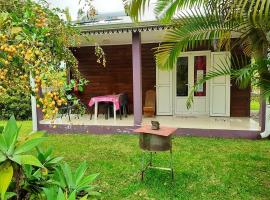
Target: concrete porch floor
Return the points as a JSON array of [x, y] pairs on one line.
[[192, 122]]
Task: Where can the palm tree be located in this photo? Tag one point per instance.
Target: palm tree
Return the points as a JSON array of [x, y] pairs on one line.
[[197, 22]]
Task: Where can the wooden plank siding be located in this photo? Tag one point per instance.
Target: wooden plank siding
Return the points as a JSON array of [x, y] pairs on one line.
[[240, 98], [240, 101], [116, 77]]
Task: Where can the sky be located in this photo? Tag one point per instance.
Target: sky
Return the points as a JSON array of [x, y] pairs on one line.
[[102, 6]]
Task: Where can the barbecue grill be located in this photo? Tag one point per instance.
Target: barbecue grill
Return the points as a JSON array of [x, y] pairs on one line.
[[153, 141]]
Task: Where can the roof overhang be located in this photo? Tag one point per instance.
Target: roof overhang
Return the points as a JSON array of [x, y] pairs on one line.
[[98, 29]]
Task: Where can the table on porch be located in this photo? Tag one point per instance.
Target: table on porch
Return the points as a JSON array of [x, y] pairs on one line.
[[107, 98]]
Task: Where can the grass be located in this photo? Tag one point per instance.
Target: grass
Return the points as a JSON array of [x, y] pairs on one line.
[[205, 168], [26, 126], [254, 105]]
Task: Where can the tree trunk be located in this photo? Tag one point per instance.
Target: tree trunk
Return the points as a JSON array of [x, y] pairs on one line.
[[260, 51], [17, 176]]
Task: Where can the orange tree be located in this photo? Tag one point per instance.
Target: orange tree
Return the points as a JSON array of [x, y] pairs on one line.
[[34, 41]]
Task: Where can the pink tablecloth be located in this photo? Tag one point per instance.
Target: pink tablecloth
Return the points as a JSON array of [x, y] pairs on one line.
[[108, 98]]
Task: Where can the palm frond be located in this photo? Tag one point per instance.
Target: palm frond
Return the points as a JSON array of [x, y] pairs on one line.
[[136, 8], [164, 9], [167, 9], [256, 10], [262, 77], [193, 30]]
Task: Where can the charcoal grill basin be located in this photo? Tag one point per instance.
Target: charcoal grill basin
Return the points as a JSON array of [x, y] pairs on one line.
[[150, 142]]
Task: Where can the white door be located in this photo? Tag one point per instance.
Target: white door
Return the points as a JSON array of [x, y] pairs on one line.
[[220, 86], [190, 68], [164, 92]]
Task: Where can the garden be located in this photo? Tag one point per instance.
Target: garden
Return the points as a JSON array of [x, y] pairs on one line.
[[205, 168]]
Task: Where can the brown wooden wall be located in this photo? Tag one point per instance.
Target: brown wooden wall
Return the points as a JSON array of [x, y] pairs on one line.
[[240, 98], [116, 77], [240, 101]]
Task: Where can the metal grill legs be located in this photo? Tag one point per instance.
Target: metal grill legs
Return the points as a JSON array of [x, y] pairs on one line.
[[149, 165]]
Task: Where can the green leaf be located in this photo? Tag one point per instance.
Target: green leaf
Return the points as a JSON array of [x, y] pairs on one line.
[[1, 129], [84, 197], [80, 172], [51, 192], [94, 193], [72, 82], [68, 175], [9, 195], [3, 145], [29, 145], [48, 152], [55, 160], [80, 88], [2, 157], [60, 195], [26, 160], [6, 173], [10, 132], [60, 178], [72, 196], [87, 180], [37, 134]]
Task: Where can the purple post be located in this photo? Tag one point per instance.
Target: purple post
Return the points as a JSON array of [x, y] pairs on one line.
[[137, 77], [262, 115]]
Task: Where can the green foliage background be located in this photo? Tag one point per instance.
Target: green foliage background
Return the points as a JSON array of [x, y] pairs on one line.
[[15, 102]]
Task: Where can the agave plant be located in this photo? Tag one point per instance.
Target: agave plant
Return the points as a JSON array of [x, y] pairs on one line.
[[58, 194], [13, 155], [75, 183], [47, 159], [199, 22], [35, 178]]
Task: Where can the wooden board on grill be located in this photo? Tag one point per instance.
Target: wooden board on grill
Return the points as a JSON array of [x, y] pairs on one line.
[[163, 131]]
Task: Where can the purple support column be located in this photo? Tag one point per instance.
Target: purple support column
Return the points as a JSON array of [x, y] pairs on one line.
[[262, 114], [137, 77]]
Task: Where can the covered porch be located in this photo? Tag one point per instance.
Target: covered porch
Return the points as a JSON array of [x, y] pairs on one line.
[[131, 68]]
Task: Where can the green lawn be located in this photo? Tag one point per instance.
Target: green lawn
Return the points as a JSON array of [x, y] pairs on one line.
[[254, 105], [205, 168]]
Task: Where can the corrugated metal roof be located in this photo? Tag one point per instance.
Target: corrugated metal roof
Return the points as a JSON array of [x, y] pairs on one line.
[[120, 24]]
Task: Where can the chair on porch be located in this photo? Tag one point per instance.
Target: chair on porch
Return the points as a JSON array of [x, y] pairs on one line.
[[149, 108], [68, 109], [123, 101]]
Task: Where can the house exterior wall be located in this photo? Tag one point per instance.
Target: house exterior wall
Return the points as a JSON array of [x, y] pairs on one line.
[[240, 98], [116, 77], [240, 101]]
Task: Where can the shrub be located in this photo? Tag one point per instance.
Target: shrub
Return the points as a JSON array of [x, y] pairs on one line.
[[40, 176], [15, 102]]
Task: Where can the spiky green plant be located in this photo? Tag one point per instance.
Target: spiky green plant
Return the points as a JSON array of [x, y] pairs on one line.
[[75, 182], [13, 155]]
